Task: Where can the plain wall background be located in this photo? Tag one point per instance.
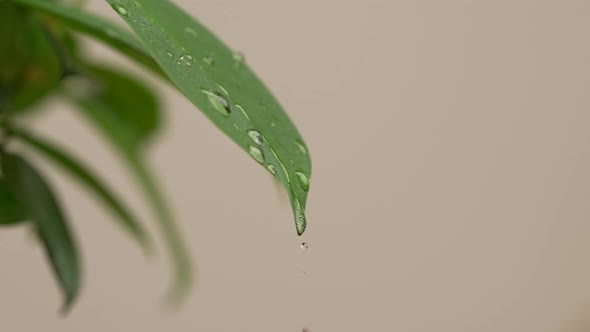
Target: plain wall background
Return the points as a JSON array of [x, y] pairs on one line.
[[450, 192]]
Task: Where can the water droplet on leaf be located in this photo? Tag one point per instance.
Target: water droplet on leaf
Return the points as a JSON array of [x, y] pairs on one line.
[[238, 58], [241, 109], [218, 102], [256, 153], [190, 31], [303, 180], [187, 59], [271, 169], [210, 60], [300, 222], [301, 147], [121, 10], [255, 136]]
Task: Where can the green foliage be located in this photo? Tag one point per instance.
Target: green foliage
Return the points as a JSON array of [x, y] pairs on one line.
[[48, 220], [39, 43], [87, 178]]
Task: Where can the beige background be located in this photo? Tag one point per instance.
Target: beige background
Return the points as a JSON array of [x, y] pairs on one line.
[[450, 192]]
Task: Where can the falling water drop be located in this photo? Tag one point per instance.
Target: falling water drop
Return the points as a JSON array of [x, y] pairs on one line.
[[218, 102], [255, 136], [304, 245], [187, 59], [303, 180], [256, 153]]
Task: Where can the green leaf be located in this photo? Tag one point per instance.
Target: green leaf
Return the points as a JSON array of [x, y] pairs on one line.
[[29, 66], [96, 27], [49, 221], [103, 112], [221, 85], [12, 209], [137, 106], [87, 178]]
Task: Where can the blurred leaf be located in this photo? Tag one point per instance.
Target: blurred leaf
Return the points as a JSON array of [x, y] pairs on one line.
[[49, 222], [106, 112], [13, 43], [136, 105], [92, 182], [12, 209], [96, 27], [221, 85], [29, 66]]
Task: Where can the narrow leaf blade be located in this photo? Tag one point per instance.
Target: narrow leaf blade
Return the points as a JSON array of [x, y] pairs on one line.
[[103, 114], [221, 85], [49, 221], [88, 179]]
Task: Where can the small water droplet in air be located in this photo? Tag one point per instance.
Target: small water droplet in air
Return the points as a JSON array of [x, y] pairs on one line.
[[190, 31], [256, 153], [255, 136], [271, 169], [121, 10], [241, 109], [187, 59], [304, 245], [303, 180], [300, 222], [301, 147], [209, 59], [218, 102], [303, 274]]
